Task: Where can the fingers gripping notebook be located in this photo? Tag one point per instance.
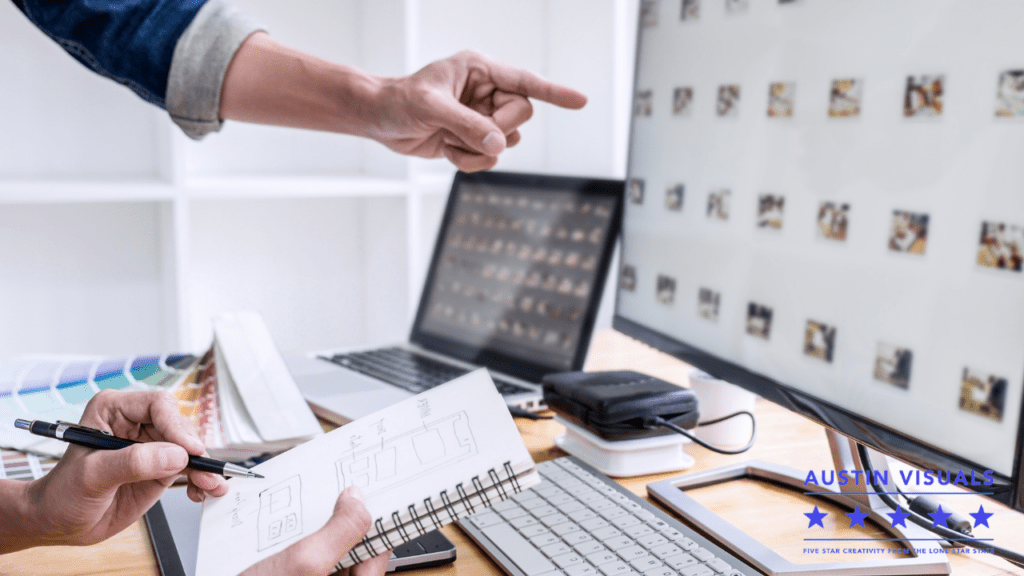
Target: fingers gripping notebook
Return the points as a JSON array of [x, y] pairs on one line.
[[421, 463]]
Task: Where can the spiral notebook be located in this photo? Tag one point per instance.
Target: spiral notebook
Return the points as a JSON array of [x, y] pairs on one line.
[[422, 463]]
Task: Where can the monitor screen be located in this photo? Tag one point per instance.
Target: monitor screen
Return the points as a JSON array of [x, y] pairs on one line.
[[517, 266], [824, 202]]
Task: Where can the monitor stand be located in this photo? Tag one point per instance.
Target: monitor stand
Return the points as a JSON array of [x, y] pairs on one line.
[[845, 456]]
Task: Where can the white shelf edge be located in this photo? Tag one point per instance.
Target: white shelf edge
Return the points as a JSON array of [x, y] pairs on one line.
[[293, 187], [63, 191]]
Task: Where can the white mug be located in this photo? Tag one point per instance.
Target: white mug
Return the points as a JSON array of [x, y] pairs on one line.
[[717, 398]]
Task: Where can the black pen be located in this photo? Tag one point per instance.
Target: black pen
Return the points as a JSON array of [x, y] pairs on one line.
[[100, 440]]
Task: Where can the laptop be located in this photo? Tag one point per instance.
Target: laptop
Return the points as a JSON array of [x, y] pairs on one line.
[[514, 285]]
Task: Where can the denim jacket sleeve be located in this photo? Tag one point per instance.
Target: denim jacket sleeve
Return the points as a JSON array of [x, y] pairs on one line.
[[172, 53]]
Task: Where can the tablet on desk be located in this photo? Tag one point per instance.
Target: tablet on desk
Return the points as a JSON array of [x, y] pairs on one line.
[[173, 525]]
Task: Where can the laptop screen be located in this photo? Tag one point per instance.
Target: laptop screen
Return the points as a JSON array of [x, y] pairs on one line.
[[518, 269]]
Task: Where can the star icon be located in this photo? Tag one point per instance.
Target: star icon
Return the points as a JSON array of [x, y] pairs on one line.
[[815, 517], [899, 517], [857, 517], [981, 517], [939, 517]]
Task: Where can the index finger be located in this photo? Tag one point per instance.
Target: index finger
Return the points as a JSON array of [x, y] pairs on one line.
[[526, 83], [123, 412]]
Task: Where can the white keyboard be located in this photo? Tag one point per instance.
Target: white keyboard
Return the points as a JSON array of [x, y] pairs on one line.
[[579, 522]]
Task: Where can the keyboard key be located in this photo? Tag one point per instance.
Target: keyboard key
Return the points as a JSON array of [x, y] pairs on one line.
[[512, 513], [588, 498], [633, 552], [645, 515], [533, 503], [523, 522], [581, 570], [556, 474], [584, 514], [541, 511], [553, 519], [619, 568], [577, 536], [702, 554], [719, 565], [671, 533], [560, 499], [602, 557], [565, 528], [545, 540], [593, 524], [589, 547], [528, 496], [696, 570], [625, 522], [660, 571], [618, 543], [638, 531], [652, 540], [686, 543], [570, 507], [518, 549], [556, 549], [548, 466], [535, 530], [680, 561], [666, 550], [504, 505], [601, 504], [606, 533], [566, 560], [612, 512], [486, 519], [646, 563], [570, 483]]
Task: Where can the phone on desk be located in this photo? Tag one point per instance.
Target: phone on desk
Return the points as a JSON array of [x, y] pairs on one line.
[[173, 525]]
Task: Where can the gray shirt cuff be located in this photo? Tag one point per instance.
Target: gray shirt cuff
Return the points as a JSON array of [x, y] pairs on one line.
[[201, 59]]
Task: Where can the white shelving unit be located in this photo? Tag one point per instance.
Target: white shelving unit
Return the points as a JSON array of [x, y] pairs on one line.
[[120, 235]]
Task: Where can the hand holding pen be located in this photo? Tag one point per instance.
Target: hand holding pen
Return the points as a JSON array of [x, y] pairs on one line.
[[92, 494]]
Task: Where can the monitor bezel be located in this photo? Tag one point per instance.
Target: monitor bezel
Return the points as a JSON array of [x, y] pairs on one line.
[[526, 370], [1008, 490]]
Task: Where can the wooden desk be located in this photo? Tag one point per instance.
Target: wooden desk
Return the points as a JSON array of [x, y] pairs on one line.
[[772, 514]]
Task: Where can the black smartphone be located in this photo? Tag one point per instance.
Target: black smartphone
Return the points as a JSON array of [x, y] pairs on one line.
[[431, 549]]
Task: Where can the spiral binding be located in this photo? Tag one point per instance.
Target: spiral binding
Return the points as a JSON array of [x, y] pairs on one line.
[[400, 534]]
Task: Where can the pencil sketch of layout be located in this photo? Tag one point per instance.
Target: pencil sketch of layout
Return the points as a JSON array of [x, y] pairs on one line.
[[280, 514], [406, 457]]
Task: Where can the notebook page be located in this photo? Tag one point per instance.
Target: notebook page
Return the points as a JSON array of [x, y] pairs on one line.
[[398, 456]]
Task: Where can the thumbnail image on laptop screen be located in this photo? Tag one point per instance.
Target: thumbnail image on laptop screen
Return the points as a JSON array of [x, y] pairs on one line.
[[517, 269]]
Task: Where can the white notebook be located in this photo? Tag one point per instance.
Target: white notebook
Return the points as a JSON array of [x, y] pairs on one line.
[[421, 463]]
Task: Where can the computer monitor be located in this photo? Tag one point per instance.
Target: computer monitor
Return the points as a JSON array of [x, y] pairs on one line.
[[824, 206]]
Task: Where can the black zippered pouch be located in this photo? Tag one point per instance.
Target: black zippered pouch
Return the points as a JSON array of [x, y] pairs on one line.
[[617, 405]]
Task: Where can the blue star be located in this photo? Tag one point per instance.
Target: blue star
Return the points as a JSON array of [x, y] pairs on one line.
[[981, 517], [939, 517], [857, 517], [815, 517], [899, 517]]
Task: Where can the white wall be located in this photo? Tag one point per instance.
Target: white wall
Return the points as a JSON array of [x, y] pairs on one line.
[[119, 235]]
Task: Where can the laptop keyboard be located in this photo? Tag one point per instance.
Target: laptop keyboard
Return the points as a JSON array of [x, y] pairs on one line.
[[579, 522], [411, 371]]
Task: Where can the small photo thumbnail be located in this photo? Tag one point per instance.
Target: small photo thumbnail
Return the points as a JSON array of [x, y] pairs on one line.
[[644, 103], [736, 6], [759, 320], [674, 197], [833, 220], [1010, 94], [845, 98], [923, 97], [781, 99], [649, 13], [636, 190], [728, 100], [1000, 246], [691, 10], [819, 340], [627, 278], [707, 304], [892, 365], [666, 289], [909, 232], [770, 210], [983, 394], [718, 204], [682, 98]]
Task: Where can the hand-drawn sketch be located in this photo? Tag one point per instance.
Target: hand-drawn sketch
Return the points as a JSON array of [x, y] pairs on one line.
[[280, 514], [404, 458]]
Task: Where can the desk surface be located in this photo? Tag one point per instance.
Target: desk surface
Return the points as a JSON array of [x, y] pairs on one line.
[[784, 438]]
